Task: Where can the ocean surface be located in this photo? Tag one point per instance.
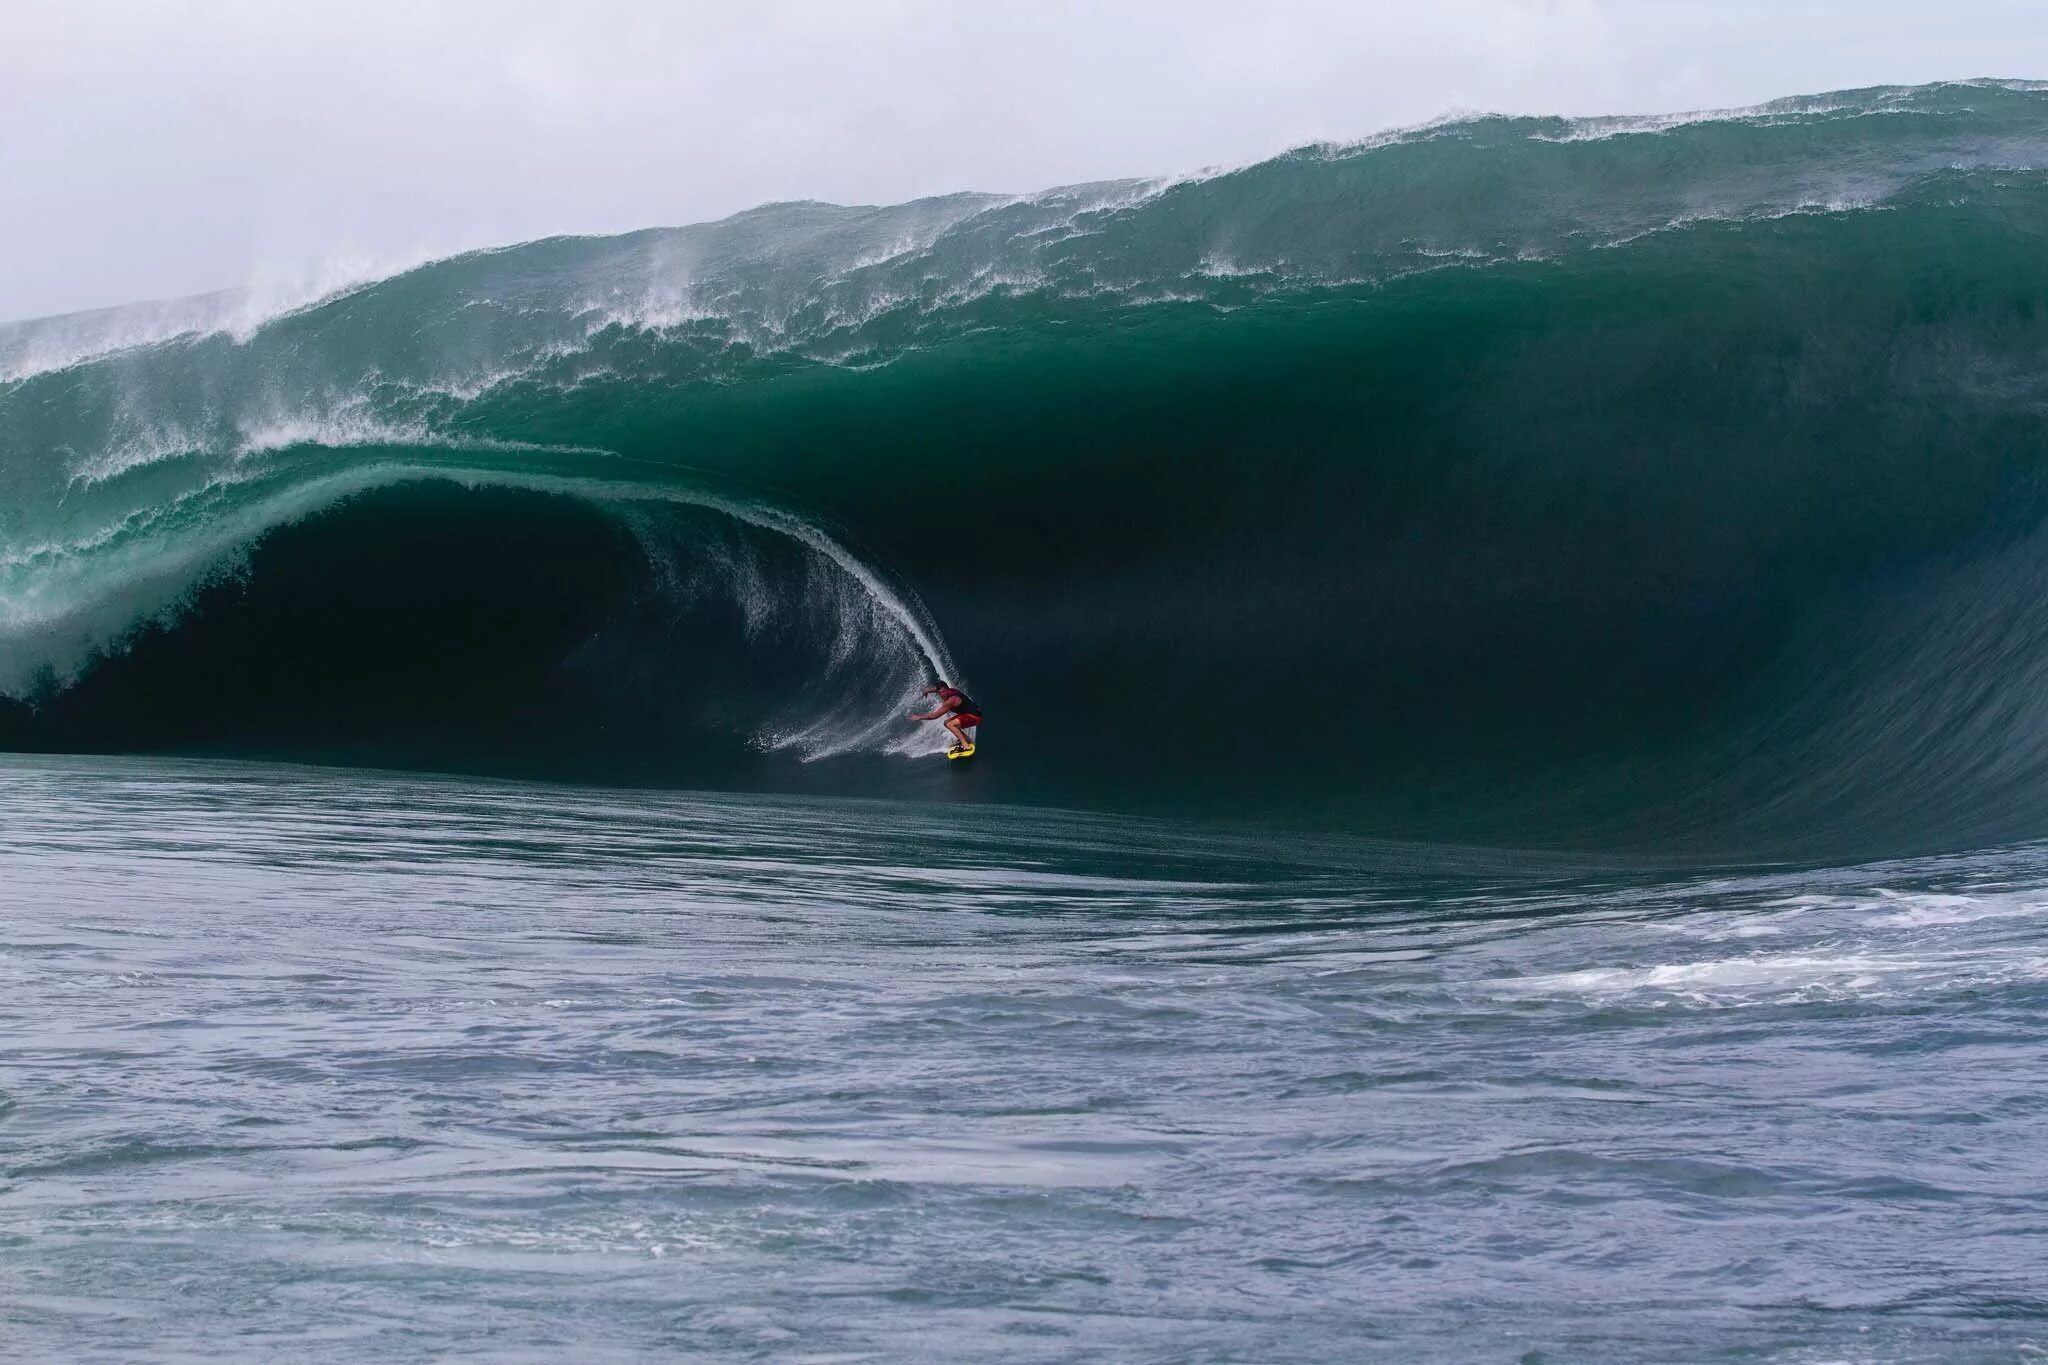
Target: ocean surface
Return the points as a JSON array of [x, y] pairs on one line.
[[1509, 823], [305, 1063]]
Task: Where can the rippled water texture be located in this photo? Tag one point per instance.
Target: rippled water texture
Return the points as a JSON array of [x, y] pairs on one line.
[[302, 1063]]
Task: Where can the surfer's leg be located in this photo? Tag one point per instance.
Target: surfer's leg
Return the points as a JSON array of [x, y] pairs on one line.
[[959, 732]]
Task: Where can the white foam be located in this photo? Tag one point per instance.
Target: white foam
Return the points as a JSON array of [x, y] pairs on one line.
[[1882, 908], [1447, 123], [854, 294], [1798, 109], [1926, 910], [346, 427], [44, 345], [1832, 205], [348, 423], [1784, 978], [655, 310], [912, 621], [134, 448], [1602, 128]]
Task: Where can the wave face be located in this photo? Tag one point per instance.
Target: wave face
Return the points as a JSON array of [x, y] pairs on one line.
[[1667, 482]]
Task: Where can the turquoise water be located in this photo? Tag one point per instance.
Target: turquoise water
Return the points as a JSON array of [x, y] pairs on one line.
[[305, 1063], [1595, 484]]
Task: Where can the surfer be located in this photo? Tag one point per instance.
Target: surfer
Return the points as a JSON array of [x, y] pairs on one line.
[[958, 710]]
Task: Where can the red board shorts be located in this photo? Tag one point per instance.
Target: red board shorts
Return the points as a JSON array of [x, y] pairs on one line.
[[968, 718]]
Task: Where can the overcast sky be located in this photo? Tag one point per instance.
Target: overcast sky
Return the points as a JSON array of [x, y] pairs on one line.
[[151, 148]]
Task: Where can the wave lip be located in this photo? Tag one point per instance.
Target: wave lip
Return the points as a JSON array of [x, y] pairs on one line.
[[37, 346]]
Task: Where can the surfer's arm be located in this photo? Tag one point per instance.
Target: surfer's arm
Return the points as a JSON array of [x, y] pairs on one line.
[[944, 706]]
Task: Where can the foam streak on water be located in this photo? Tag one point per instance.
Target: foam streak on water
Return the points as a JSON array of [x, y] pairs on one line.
[[302, 1062]]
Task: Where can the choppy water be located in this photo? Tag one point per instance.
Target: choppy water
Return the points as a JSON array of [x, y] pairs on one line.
[[311, 1064]]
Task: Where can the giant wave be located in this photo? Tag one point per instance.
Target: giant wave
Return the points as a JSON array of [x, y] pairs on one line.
[[1666, 483]]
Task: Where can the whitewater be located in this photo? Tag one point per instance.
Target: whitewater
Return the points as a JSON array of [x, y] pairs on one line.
[[1508, 828]]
